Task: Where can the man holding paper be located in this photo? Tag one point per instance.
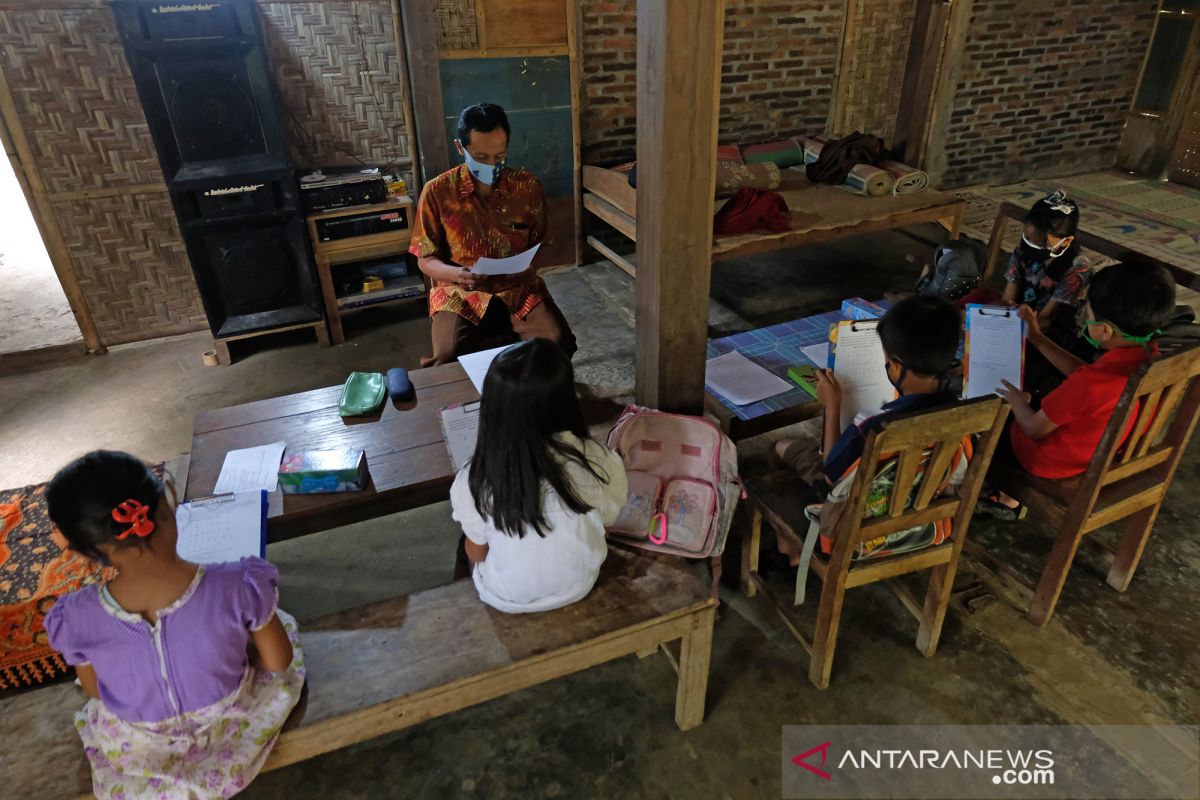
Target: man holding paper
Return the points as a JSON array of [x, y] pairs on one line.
[[484, 209]]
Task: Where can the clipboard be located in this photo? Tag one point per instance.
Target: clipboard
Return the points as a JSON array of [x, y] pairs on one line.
[[860, 369], [217, 528], [994, 350]]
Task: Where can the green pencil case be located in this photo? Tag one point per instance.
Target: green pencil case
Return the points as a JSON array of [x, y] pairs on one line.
[[362, 394]]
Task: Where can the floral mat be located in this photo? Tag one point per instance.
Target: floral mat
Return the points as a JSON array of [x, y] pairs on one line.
[[35, 569]]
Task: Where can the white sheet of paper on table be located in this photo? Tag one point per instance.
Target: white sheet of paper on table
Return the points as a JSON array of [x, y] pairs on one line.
[[859, 368], [219, 529], [251, 469], [818, 353], [995, 349], [740, 381], [477, 364], [505, 266], [460, 428]]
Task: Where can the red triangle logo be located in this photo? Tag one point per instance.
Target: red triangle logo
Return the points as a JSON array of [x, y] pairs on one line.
[[802, 760]]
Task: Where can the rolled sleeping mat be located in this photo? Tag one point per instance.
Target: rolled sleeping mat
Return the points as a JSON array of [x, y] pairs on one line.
[[784, 153], [812, 149], [868, 180], [731, 177], [729, 152], [909, 180]]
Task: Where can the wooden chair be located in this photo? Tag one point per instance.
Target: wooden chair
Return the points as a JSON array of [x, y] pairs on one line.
[[1123, 482], [930, 437]]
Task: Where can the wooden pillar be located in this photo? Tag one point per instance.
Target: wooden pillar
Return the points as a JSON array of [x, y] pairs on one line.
[[425, 78], [678, 97]]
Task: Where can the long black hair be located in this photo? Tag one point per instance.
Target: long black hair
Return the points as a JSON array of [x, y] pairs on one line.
[[528, 397], [82, 495]]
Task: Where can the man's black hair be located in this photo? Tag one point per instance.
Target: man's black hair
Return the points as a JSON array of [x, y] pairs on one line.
[[1137, 298], [482, 117], [921, 332]]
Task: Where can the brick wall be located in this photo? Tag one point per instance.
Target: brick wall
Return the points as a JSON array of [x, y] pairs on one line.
[[776, 76], [1043, 87]]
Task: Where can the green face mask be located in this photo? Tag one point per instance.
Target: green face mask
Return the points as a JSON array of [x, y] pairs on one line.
[[1144, 341]]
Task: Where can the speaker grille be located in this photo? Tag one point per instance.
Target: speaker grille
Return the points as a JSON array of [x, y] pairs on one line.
[[212, 109], [255, 273]]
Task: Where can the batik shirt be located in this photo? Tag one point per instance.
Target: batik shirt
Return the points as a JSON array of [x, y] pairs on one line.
[[459, 227]]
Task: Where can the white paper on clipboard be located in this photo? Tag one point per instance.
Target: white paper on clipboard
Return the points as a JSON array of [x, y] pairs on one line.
[[995, 350], [859, 368], [460, 428]]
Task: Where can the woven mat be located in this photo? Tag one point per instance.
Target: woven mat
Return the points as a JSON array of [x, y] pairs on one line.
[[35, 570]]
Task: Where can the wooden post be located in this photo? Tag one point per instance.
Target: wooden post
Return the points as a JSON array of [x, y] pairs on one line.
[[678, 97], [425, 77]]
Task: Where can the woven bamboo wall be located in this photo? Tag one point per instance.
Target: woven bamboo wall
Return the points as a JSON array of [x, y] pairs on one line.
[[340, 79], [80, 112], [339, 73], [873, 67], [458, 25]]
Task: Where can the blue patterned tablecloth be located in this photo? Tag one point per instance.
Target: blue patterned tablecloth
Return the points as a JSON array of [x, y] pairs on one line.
[[777, 348]]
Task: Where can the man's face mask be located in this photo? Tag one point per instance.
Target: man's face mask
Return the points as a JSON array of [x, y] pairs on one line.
[[484, 173]]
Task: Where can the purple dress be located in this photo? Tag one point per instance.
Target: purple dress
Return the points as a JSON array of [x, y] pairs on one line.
[[181, 712]]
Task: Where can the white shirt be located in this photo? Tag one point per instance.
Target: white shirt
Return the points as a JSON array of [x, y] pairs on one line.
[[538, 573]]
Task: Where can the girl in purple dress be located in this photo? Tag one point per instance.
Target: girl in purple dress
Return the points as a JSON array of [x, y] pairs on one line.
[[191, 668]]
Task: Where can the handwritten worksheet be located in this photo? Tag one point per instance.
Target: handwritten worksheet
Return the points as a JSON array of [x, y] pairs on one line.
[[859, 368], [505, 266], [460, 429], [227, 527], [995, 350], [740, 381], [251, 469]]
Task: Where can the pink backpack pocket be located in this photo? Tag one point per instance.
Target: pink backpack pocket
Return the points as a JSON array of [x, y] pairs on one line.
[[645, 491]]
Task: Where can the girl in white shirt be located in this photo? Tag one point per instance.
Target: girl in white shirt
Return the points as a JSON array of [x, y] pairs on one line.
[[538, 493]]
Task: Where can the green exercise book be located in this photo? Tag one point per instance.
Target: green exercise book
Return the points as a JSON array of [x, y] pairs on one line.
[[805, 377]]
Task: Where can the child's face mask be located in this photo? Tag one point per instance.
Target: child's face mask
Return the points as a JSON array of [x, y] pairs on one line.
[[1107, 331]]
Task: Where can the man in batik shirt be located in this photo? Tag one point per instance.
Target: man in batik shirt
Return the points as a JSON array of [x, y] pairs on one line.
[[483, 208]]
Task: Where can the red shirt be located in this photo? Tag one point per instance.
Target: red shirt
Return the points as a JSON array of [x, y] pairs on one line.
[[458, 226], [1081, 408]]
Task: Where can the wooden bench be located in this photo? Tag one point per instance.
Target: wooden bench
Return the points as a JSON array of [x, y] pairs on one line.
[[386, 666]]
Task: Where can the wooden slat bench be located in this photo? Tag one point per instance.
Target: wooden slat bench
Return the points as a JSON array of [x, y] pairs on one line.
[[386, 666]]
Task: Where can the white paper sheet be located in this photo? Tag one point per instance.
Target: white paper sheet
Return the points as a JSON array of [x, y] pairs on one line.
[[476, 364], [818, 354], [859, 368], [995, 349], [460, 428], [740, 381], [222, 528], [251, 469], [505, 266]]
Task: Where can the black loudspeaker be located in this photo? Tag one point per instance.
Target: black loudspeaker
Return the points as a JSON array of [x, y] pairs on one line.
[[205, 86], [214, 114]]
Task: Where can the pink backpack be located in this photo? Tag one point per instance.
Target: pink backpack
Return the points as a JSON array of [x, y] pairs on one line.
[[683, 482]]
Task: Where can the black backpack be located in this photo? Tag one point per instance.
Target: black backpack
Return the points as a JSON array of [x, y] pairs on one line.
[[955, 271]]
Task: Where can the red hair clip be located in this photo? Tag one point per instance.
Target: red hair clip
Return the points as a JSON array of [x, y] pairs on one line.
[[136, 514]]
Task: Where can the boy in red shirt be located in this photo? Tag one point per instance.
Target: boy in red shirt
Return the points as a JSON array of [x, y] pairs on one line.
[[1127, 304]]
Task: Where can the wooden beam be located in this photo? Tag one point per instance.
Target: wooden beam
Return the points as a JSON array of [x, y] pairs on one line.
[[679, 82], [920, 77], [931, 150], [410, 123], [425, 78]]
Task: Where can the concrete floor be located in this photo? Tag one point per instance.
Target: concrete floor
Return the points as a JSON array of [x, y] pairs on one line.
[[1106, 658]]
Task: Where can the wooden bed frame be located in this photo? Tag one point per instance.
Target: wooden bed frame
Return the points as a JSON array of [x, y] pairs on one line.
[[820, 213]]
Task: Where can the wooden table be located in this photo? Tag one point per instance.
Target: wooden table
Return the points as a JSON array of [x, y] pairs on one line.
[[406, 454]]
